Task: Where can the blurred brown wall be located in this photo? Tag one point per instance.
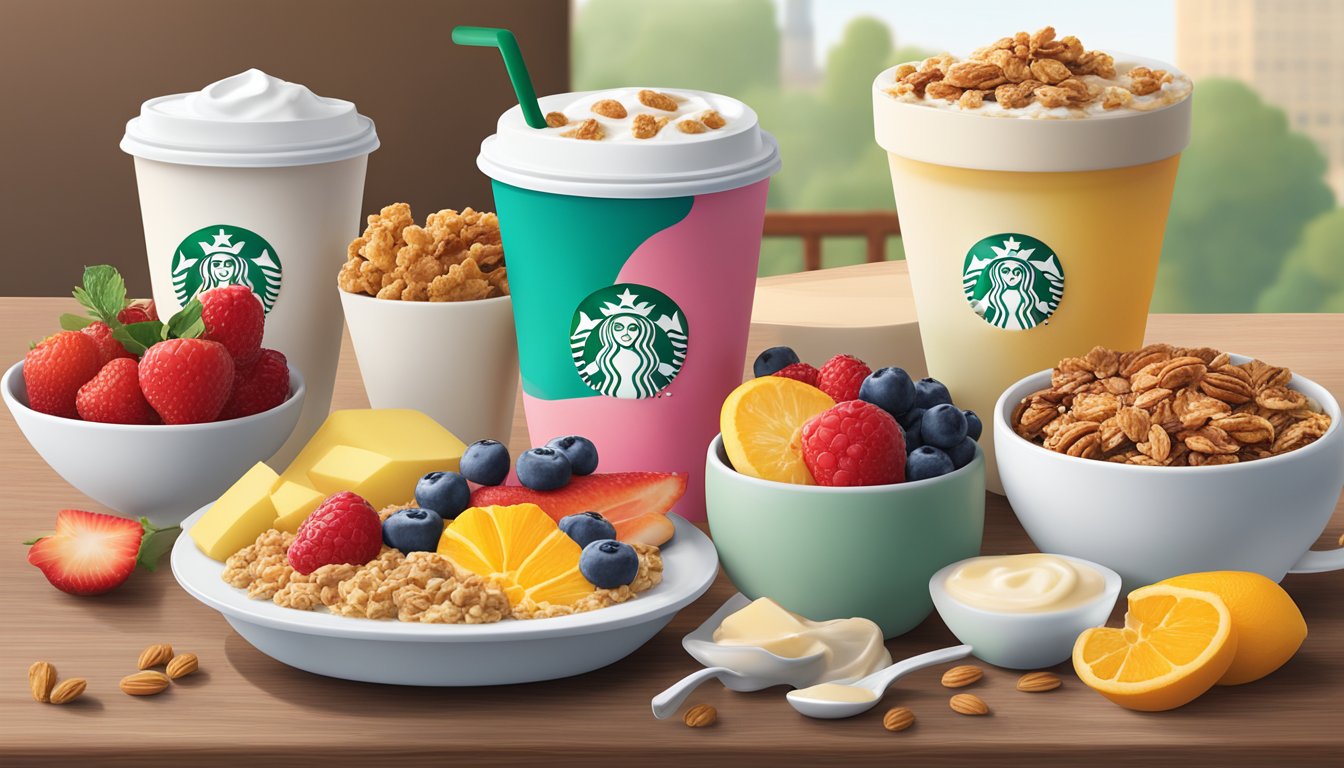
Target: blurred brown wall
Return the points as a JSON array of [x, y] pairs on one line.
[[72, 72]]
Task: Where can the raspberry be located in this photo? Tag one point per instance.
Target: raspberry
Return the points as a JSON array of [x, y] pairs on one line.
[[343, 529], [842, 376], [854, 443], [799, 372]]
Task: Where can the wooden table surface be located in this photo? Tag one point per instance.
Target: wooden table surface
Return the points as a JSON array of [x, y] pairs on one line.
[[244, 707]]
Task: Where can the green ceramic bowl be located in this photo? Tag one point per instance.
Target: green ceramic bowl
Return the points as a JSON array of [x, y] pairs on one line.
[[833, 553]]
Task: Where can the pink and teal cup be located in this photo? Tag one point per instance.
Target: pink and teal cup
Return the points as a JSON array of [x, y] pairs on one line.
[[632, 266]]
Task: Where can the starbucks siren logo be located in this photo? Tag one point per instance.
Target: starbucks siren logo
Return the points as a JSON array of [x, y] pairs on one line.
[[224, 255], [628, 340], [1012, 281]]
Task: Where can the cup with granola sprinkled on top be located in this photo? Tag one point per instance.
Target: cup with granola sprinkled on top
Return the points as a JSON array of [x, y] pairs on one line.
[[431, 318]]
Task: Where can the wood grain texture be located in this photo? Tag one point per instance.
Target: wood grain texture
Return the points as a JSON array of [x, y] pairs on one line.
[[244, 706]]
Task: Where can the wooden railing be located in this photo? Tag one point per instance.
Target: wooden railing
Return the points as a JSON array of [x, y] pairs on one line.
[[873, 226]]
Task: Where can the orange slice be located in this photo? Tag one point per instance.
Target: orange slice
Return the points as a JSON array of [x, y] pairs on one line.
[[522, 547], [1175, 645], [762, 423]]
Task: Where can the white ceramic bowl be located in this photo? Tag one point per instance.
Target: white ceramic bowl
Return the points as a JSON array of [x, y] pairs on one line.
[[1152, 523], [1023, 640], [454, 360], [159, 471], [404, 653]]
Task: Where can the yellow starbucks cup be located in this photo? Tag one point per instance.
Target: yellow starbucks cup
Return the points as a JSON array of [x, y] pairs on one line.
[[1030, 234]]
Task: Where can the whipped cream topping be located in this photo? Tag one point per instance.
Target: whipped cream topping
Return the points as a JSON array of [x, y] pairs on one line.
[[254, 95], [250, 119], [690, 105]]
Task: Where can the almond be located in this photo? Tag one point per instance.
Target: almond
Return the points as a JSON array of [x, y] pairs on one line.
[[146, 683], [700, 716], [968, 704], [962, 676], [898, 719], [155, 656], [182, 665], [68, 690], [41, 679], [1038, 682]]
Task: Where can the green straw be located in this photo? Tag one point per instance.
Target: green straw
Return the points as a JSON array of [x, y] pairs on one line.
[[503, 39]]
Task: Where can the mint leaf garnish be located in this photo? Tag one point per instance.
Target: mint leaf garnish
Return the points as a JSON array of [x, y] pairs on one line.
[[138, 337], [103, 293], [187, 323], [71, 322], [155, 544]]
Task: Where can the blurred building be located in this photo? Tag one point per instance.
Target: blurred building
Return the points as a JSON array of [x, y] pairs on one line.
[[797, 46], [1290, 51]]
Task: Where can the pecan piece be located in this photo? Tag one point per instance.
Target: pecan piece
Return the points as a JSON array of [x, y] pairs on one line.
[[609, 108], [1151, 398], [1050, 71], [1234, 388], [1158, 445], [920, 80], [1211, 439], [1247, 428], [1134, 422], [1133, 362], [1280, 399], [1098, 407], [943, 90], [1180, 372], [1103, 362], [975, 74], [1065, 438]]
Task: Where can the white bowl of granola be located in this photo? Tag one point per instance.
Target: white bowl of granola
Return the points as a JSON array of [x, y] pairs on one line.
[[1210, 493], [436, 654]]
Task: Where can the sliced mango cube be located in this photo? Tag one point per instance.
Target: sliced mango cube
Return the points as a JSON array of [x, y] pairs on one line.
[[239, 516], [293, 504]]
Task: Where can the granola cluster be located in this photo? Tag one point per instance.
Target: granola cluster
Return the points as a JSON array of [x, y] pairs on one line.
[[1168, 406], [422, 586], [643, 125], [453, 257], [1019, 70]]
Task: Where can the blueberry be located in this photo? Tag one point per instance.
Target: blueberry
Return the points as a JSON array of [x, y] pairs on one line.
[[580, 451], [913, 438], [413, 530], [931, 392], [486, 462], [911, 418], [943, 426], [586, 527], [608, 563], [446, 493], [889, 389], [973, 425], [926, 462], [544, 469], [962, 453], [773, 360]]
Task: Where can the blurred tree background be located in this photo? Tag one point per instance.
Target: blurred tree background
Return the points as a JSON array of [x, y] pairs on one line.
[[1253, 224]]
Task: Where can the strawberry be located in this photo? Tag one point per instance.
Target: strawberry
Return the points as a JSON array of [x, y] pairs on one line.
[[841, 376], [187, 381], [799, 372], [138, 311], [114, 396], [55, 369], [234, 317], [258, 387], [631, 501], [343, 529], [108, 347], [90, 553], [854, 443]]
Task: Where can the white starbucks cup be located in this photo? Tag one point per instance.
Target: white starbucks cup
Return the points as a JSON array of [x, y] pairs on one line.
[[257, 181]]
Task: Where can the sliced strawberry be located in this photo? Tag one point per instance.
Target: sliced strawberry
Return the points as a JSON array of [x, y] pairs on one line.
[[624, 498], [90, 553], [646, 529]]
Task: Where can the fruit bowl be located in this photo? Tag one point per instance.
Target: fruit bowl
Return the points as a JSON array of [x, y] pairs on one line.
[[158, 471], [403, 653], [1152, 523], [832, 553]]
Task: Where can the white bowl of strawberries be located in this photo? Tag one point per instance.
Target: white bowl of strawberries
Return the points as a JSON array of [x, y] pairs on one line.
[[153, 418]]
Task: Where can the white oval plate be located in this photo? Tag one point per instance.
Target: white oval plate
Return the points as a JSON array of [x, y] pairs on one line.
[[406, 653]]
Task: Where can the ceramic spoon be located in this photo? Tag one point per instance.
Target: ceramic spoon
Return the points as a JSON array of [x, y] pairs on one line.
[[870, 688], [669, 701]]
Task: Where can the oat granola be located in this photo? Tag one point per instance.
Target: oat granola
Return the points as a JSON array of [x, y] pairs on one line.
[[1038, 71], [453, 257], [1168, 406], [421, 587]]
